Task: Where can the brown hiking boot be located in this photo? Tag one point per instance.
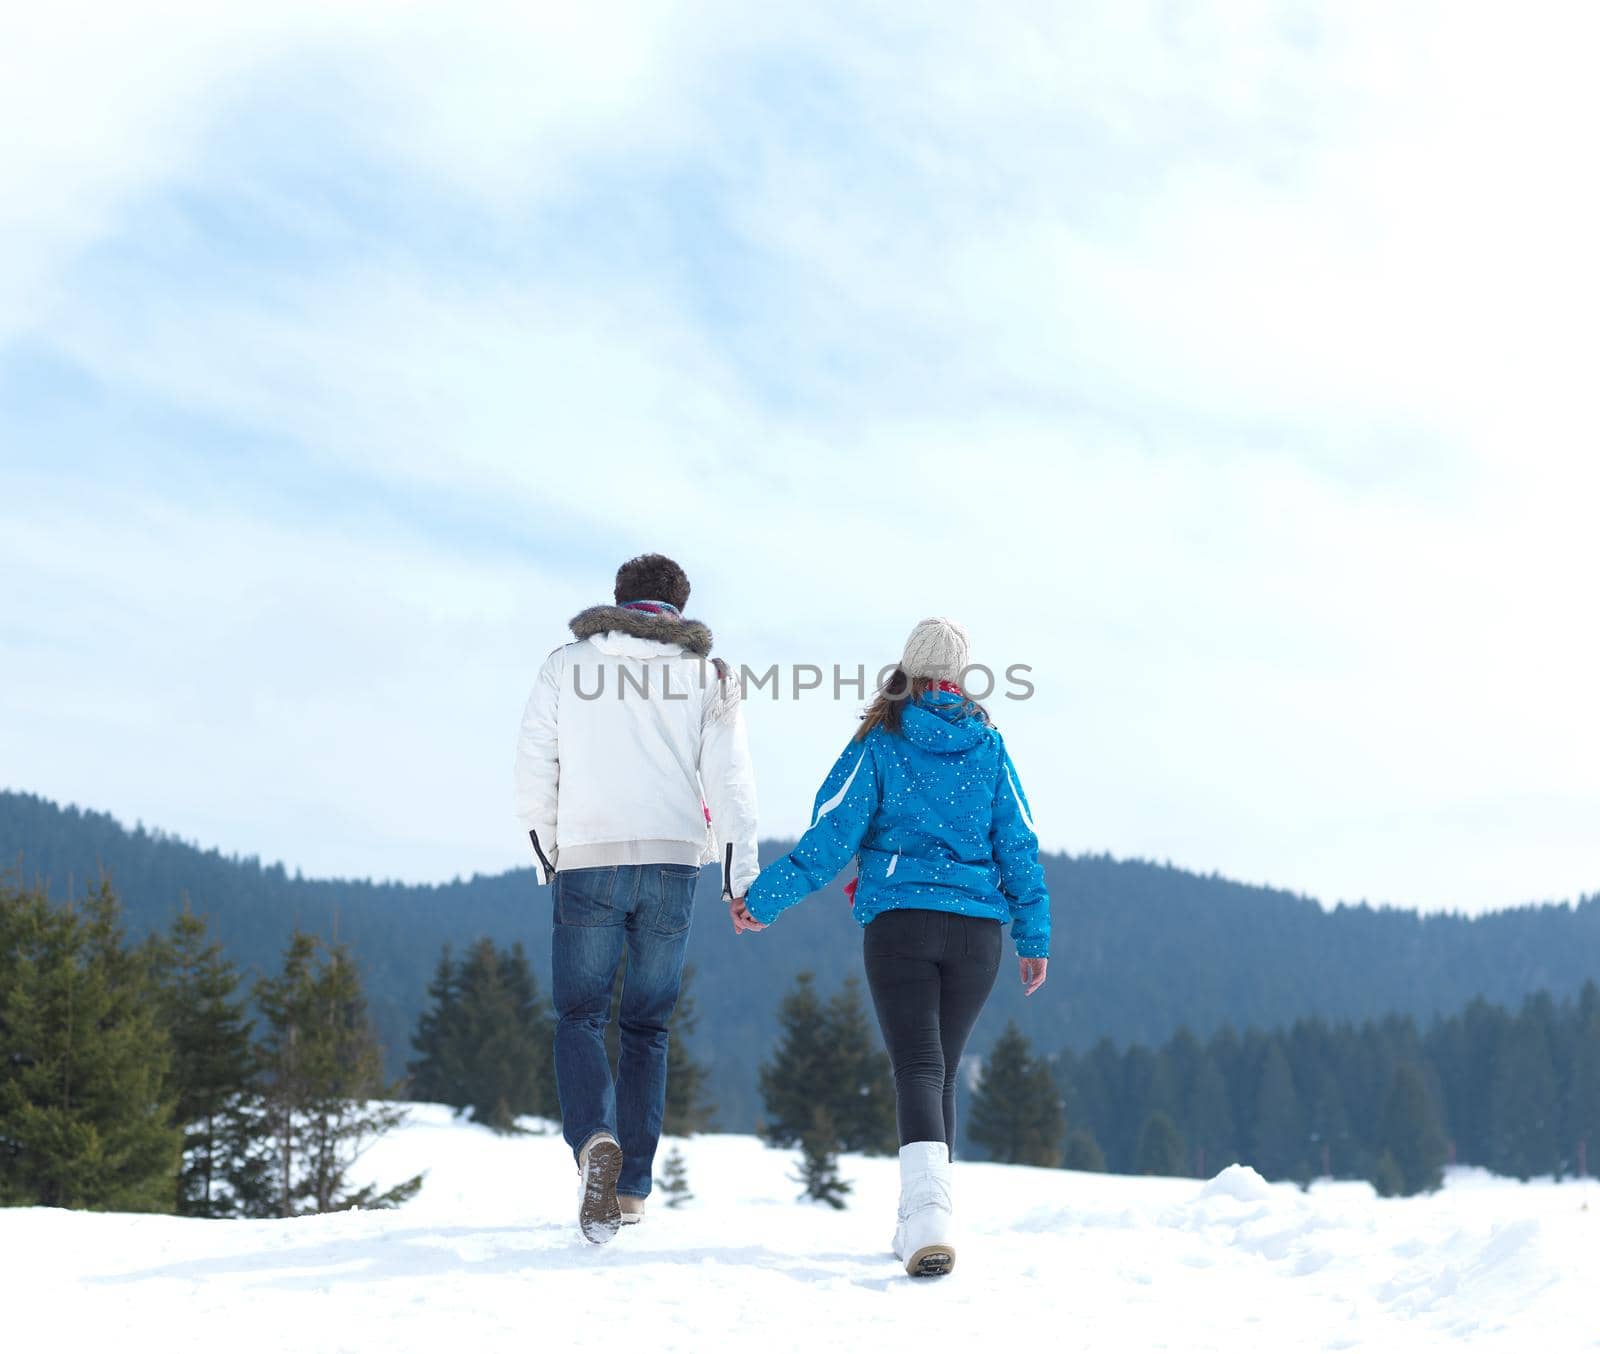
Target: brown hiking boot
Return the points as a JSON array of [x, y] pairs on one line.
[[632, 1209], [599, 1163]]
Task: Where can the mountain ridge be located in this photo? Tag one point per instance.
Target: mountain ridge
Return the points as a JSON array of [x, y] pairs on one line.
[[1142, 949]]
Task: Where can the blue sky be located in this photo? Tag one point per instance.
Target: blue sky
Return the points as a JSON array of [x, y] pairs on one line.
[[1228, 364]]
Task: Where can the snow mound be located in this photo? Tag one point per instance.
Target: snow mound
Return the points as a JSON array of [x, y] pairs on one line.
[[1237, 1182]]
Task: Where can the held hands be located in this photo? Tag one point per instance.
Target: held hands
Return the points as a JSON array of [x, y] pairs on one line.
[[1032, 974], [740, 915]]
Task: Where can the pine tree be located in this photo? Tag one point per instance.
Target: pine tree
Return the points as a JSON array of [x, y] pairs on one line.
[[688, 1111], [793, 1082], [85, 1113], [501, 1040], [1016, 1108], [1229, 1055], [1209, 1118], [213, 1074], [484, 1042], [1134, 1102], [1583, 1083], [436, 1075], [538, 1019], [1092, 1096], [1387, 1177], [1161, 1150], [863, 1104], [1524, 1111], [1182, 1059], [1280, 1135], [322, 1080], [1162, 1090], [819, 1161], [1330, 1126], [827, 1057], [1410, 1135], [675, 1179], [1082, 1153], [1474, 1118]]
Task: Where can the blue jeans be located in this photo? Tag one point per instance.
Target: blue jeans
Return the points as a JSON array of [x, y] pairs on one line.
[[598, 913]]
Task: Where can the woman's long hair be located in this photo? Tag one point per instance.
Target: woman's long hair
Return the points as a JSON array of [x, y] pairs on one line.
[[898, 691]]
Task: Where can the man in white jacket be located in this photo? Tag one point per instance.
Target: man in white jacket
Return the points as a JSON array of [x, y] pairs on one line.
[[632, 772]]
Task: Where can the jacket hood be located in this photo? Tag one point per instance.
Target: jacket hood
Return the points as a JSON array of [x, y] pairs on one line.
[[692, 636], [936, 723]]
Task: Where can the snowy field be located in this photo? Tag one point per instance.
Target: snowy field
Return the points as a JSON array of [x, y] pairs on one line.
[[488, 1258]]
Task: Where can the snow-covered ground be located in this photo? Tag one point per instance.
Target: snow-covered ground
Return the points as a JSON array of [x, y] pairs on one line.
[[488, 1258]]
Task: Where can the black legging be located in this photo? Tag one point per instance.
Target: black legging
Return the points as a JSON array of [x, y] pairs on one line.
[[930, 973]]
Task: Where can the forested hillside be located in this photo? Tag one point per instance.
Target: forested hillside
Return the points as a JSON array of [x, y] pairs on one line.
[[1140, 949]]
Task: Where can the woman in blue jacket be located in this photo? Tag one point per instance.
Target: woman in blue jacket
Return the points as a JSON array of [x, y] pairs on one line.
[[927, 800]]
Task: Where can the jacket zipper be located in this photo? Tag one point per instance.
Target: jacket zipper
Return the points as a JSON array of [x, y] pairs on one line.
[[727, 874], [539, 851]]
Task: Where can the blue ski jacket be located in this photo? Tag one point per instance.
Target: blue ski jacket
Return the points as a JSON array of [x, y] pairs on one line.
[[937, 819]]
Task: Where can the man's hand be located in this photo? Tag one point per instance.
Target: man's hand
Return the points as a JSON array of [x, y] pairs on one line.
[[742, 920], [1032, 974]]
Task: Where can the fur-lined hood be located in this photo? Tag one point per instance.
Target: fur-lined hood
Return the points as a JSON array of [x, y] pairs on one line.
[[692, 636]]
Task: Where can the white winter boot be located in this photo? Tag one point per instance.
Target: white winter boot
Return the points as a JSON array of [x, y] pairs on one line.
[[925, 1237]]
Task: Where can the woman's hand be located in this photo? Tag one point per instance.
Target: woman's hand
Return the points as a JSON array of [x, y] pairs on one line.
[[1032, 974], [742, 920]]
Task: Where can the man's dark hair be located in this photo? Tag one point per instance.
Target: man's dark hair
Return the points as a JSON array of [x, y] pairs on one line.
[[652, 578]]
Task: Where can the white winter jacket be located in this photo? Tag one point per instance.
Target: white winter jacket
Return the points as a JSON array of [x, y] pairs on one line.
[[631, 737]]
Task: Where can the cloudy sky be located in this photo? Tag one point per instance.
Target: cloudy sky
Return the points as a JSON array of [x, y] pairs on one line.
[[1232, 365]]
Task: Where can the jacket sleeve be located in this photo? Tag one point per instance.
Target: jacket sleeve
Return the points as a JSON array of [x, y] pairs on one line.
[[728, 781], [839, 819], [1016, 851], [538, 767]]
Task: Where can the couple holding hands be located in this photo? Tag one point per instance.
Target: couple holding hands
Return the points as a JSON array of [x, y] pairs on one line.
[[624, 796]]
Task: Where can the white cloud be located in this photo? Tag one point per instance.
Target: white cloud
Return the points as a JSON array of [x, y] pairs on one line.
[[1226, 364], [340, 697]]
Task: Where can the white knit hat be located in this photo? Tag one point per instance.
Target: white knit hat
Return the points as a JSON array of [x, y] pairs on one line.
[[936, 648]]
